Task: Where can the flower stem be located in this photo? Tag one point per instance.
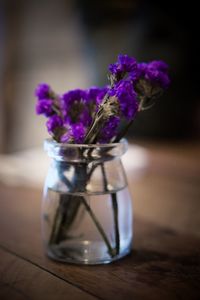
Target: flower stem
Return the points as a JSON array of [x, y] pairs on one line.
[[115, 210], [65, 214], [94, 129], [111, 251], [56, 228], [104, 177]]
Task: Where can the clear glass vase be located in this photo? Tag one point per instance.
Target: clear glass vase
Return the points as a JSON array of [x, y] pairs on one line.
[[87, 208]]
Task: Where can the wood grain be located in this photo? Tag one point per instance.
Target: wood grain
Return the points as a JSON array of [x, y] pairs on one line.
[[163, 264], [20, 279], [168, 193]]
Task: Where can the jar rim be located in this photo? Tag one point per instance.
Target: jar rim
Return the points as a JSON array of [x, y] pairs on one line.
[[69, 152], [66, 145]]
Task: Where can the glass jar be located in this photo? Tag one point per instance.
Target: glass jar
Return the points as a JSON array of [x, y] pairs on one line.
[[87, 208]]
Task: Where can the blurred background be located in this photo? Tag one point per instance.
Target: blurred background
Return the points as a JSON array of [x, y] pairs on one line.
[[69, 44]]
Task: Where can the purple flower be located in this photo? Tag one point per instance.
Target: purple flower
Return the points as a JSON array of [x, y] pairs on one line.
[[127, 97], [96, 95], [109, 130], [75, 133], [74, 107], [43, 91], [93, 93], [72, 97], [78, 133], [158, 78], [67, 136], [44, 107], [141, 70], [125, 64], [158, 65], [53, 123], [156, 72]]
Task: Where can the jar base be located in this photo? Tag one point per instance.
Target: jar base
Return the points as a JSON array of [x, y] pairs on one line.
[[93, 254]]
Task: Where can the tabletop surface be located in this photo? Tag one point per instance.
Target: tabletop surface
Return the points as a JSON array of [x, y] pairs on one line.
[[164, 263]]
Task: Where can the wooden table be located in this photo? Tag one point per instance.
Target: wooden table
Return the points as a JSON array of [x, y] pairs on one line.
[[165, 262]]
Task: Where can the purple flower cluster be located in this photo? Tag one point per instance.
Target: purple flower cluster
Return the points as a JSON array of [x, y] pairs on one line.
[[95, 95], [78, 109], [80, 105], [44, 107], [44, 104], [125, 64], [109, 130], [75, 132], [53, 123], [127, 98], [73, 114], [47, 106], [156, 72], [43, 91], [140, 82], [73, 107]]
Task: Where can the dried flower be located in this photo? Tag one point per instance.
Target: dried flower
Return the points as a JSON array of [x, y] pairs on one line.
[[127, 98], [125, 64], [94, 97], [53, 123], [109, 130], [156, 72], [74, 134], [74, 107], [44, 107], [78, 133], [43, 91], [67, 136]]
